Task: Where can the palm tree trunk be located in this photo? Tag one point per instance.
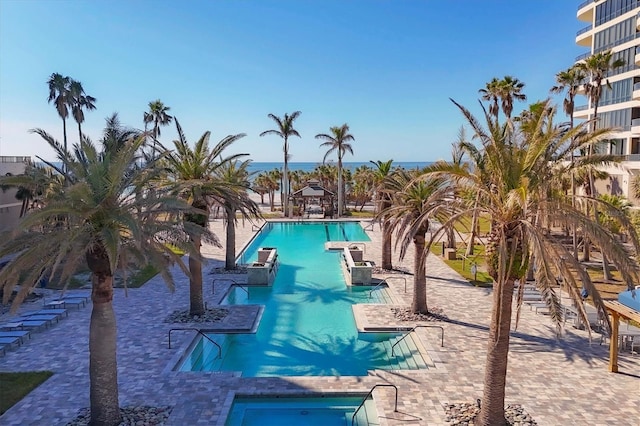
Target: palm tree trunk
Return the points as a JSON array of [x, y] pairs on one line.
[[64, 135], [230, 257], [285, 177], [419, 304], [79, 132], [386, 238], [196, 301], [474, 225], [103, 370], [340, 195], [495, 375]]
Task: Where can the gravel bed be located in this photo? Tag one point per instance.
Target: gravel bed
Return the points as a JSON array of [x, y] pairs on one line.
[[210, 315], [463, 414], [131, 416], [405, 314]]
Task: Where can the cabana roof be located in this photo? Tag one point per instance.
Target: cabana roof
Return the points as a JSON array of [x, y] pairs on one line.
[[313, 190]]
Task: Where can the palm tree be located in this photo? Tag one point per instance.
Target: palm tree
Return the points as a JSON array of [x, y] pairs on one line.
[[415, 202], [382, 173], [510, 89], [196, 169], [79, 101], [338, 141], [570, 80], [98, 220], [158, 115], [491, 93], [284, 130], [512, 175], [234, 174], [59, 94], [597, 66]]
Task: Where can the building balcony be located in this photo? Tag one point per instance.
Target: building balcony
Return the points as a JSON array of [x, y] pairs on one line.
[[636, 92], [581, 111], [635, 126], [585, 11], [584, 37]]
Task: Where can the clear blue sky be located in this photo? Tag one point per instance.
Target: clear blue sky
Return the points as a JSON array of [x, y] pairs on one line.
[[387, 68]]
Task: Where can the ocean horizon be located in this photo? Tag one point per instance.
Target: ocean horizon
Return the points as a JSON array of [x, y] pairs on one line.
[[256, 167]]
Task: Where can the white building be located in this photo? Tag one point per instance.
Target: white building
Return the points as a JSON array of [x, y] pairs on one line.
[[615, 25]]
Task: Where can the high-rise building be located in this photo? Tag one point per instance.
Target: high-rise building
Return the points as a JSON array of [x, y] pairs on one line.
[[615, 25], [10, 206]]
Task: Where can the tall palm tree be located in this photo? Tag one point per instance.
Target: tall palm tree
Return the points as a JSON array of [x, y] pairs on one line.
[[415, 202], [79, 101], [235, 175], [338, 141], [510, 89], [513, 178], [382, 173], [597, 66], [195, 169], [491, 93], [59, 94], [570, 80], [158, 115], [106, 226], [284, 129]]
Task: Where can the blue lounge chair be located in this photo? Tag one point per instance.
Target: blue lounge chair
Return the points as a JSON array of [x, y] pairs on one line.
[[19, 334], [10, 341]]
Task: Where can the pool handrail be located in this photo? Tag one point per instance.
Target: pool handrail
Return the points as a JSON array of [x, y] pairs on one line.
[[384, 281], [395, 410], [414, 329], [199, 332], [233, 284]]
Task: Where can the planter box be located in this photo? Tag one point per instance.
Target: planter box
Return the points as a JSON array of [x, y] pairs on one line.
[[263, 271], [450, 254], [356, 272]]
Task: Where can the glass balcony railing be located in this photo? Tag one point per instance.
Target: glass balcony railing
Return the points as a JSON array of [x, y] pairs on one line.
[[636, 86], [580, 108], [584, 3], [584, 30], [635, 122], [630, 157], [583, 56]]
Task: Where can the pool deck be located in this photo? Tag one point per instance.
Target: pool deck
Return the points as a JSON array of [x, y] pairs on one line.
[[557, 381]]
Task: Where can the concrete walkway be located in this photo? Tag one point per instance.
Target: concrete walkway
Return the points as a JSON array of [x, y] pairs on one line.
[[557, 381]]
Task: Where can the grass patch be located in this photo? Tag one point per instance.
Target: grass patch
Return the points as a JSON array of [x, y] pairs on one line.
[[464, 225], [363, 214], [463, 266], [15, 386]]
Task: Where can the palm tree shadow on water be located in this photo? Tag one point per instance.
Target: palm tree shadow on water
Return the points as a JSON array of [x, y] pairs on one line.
[[322, 355]]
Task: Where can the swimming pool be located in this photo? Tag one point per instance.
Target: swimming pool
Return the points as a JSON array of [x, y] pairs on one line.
[[307, 327], [315, 411]]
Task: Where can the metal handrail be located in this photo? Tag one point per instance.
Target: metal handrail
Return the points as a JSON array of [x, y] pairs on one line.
[[233, 284], [384, 281], [395, 410], [414, 329], [199, 332]]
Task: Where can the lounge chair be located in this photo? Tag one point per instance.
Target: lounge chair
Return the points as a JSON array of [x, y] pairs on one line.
[[19, 334], [10, 341], [58, 312]]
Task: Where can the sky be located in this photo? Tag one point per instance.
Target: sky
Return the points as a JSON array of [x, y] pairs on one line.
[[386, 68]]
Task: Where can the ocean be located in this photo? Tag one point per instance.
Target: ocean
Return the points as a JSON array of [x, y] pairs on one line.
[[255, 167]]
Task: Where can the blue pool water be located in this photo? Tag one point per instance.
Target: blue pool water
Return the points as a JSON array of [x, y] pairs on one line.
[[300, 411], [307, 327]]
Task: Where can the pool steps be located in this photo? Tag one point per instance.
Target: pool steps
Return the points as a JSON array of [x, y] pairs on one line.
[[408, 354]]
